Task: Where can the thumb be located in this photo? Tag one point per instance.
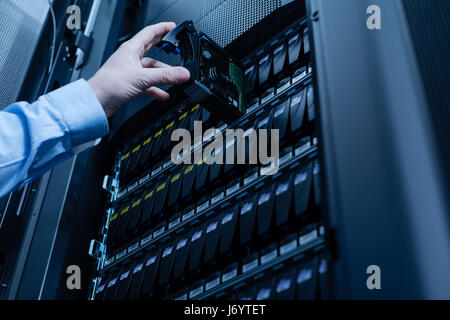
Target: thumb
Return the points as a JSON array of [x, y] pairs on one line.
[[166, 76]]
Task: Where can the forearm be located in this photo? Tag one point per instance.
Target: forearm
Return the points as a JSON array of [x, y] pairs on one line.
[[36, 137]]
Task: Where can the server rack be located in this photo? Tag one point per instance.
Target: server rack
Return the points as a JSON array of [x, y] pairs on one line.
[[221, 231]]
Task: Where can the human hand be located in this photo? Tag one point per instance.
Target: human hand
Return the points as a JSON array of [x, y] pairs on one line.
[[128, 73]]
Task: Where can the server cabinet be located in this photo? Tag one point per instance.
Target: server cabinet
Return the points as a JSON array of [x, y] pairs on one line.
[[387, 196], [359, 167]]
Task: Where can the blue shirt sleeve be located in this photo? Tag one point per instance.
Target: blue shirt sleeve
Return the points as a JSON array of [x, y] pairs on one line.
[[36, 137]]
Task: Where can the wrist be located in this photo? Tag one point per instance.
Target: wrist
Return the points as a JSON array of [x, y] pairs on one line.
[[96, 86]]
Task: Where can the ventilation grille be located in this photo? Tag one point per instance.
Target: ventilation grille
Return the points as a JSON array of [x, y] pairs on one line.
[[20, 24]]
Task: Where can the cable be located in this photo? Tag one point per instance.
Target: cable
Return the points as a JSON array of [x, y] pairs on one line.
[[52, 58]]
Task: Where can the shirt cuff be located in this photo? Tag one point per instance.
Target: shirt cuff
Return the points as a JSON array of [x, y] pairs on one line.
[[86, 146], [81, 112]]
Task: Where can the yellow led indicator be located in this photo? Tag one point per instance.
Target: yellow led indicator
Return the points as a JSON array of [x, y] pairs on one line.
[[195, 108], [137, 203], [189, 169], [170, 125], [183, 116], [148, 195], [161, 187], [136, 149], [125, 210], [146, 142], [114, 217], [175, 178], [125, 156], [158, 133]]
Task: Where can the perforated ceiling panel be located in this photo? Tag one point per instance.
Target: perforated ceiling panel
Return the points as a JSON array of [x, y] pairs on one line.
[[222, 20], [234, 17], [20, 25]]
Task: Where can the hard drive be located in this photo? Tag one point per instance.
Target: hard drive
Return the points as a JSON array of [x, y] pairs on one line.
[[123, 221], [149, 270], [175, 188], [197, 288], [196, 115], [157, 141], [217, 196], [288, 243], [215, 170], [250, 176], [111, 287], [306, 43], [247, 218], [201, 175], [230, 272], [250, 77], [217, 80], [297, 110], [146, 152], [250, 262], [197, 247], [124, 164], [265, 209], [265, 120], [316, 179], [294, 45], [266, 290], [269, 253], [137, 275], [124, 283], [229, 221], [188, 180], [230, 152], [147, 205], [113, 223], [283, 84], [310, 101], [281, 118], [323, 278], [302, 188], [101, 289], [183, 119], [265, 66], [279, 58], [213, 230], [206, 115], [181, 254], [166, 264], [283, 200], [167, 138], [161, 191], [285, 285], [135, 214], [248, 294], [135, 157], [182, 294], [212, 280], [307, 279]]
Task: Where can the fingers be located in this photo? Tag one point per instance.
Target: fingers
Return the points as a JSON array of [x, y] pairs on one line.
[[149, 36], [157, 94], [152, 63], [166, 75]]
